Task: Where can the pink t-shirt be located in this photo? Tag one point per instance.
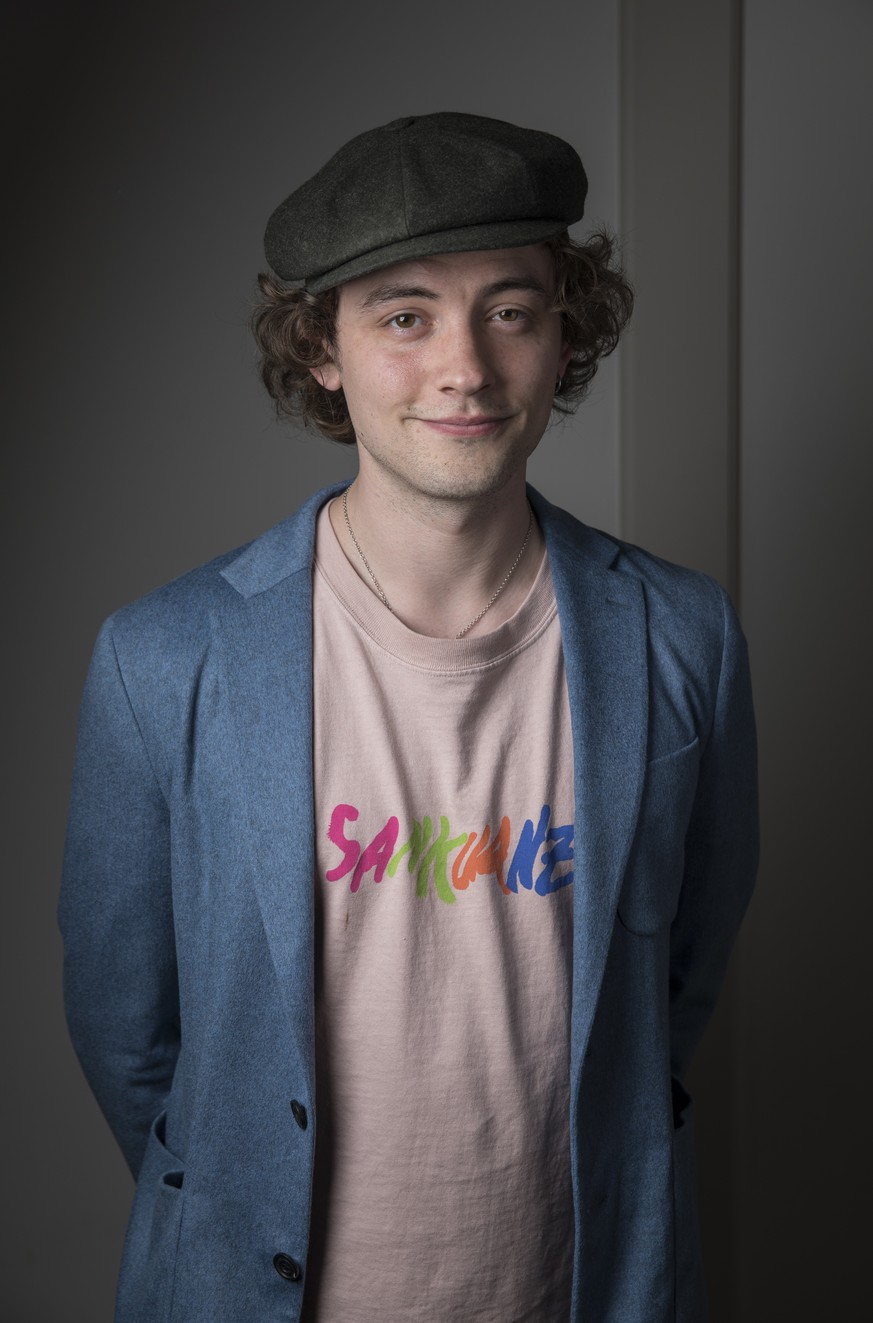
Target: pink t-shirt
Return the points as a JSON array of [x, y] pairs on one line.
[[444, 813]]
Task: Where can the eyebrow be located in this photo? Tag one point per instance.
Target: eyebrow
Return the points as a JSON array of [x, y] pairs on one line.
[[398, 293]]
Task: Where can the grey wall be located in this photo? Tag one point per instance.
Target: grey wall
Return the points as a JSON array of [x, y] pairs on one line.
[[146, 147], [802, 1195]]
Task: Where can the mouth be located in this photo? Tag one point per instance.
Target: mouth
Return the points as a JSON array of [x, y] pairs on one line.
[[466, 424]]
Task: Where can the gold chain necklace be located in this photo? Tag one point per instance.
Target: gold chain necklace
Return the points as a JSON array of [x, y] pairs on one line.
[[488, 605]]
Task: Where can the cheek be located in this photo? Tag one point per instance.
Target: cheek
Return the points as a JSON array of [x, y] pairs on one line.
[[387, 381], [403, 368], [541, 372], [536, 359], [392, 384]]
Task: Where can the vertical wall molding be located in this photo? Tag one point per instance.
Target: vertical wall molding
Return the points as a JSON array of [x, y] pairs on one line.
[[679, 192], [679, 408]]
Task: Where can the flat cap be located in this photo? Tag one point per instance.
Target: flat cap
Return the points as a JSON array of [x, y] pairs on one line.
[[427, 184]]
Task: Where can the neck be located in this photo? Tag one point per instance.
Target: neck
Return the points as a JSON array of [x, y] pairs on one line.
[[439, 560]]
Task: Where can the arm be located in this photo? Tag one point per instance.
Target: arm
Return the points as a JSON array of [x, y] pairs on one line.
[[721, 852], [115, 913]]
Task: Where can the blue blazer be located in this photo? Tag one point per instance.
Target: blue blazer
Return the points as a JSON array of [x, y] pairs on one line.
[[187, 915]]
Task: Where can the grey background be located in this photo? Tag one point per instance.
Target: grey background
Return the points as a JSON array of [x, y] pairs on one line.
[[806, 428], [145, 148]]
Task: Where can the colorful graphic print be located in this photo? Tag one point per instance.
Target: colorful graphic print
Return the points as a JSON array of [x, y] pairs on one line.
[[534, 865]]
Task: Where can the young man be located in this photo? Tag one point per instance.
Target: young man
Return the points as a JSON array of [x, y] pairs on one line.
[[408, 843]]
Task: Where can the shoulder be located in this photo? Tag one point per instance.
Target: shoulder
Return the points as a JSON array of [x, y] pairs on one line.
[[670, 590], [181, 603], [161, 644], [176, 615], [688, 622], [680, 622], [689, 598], [691, 622]]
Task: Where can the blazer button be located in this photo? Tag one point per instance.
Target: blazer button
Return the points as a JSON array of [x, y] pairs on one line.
[[299, 1114], [287, 1267]]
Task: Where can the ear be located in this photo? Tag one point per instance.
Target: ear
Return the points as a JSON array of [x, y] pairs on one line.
[[566, 355], [328, 376]]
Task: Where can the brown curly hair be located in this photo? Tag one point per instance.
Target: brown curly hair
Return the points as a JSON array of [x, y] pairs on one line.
[[295, 331]]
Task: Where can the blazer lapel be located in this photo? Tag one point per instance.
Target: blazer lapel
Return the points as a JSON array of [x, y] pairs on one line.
[[265, 637], [603, 628]]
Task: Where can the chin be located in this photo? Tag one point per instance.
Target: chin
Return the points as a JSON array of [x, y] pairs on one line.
[[465, 486]]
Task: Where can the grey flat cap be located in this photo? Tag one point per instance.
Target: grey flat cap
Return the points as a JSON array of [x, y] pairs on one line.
[[427, 184]]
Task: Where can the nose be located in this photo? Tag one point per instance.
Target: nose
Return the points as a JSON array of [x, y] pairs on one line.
[[464, 367]]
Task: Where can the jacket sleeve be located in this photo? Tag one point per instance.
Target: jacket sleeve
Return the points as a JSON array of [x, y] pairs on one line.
[[115, 913], [721, 851]]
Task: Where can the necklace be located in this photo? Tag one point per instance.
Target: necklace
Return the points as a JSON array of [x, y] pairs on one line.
[[492, 599]]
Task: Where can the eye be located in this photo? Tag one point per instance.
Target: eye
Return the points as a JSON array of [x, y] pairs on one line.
[[509, 315], [403, 321]]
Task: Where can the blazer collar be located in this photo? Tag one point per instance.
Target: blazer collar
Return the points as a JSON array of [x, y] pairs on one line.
[[283, 550]]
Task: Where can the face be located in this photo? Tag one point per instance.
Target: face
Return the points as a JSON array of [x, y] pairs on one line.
[[448, 365]]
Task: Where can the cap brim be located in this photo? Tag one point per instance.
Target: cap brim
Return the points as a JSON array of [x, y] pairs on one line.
[[469, 239]]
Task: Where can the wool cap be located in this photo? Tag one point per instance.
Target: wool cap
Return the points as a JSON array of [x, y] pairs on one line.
[[427, 184]]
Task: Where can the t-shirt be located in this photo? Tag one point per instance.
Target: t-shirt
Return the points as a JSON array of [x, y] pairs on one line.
[[444, 823]]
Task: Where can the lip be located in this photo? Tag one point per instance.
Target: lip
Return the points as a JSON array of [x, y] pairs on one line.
[[466, 424]]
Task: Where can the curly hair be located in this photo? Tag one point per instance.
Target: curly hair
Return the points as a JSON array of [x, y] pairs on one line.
[[295, 331]]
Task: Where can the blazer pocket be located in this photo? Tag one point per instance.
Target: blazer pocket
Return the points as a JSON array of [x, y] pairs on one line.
[[653, 879], [147, 1275]]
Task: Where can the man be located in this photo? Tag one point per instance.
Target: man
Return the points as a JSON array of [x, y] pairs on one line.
[[408, 843]]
